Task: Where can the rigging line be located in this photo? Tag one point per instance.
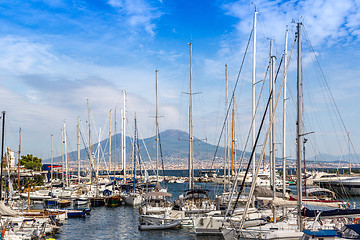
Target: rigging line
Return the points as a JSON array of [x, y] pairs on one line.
[[161, 156], [256, 109], [327, 106], [262, 155], [87, 150], [231, 100], [257, 138], [147, 152], [331, 95]]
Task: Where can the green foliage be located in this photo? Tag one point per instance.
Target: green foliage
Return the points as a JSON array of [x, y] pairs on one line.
[[31, 162]]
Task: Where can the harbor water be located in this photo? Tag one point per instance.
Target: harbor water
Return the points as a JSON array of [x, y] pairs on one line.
[[122, 222]]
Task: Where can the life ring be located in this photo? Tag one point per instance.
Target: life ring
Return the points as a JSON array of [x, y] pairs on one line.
[[356, 220], [2, 233]]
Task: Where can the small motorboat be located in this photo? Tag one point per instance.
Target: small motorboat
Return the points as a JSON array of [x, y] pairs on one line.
[[75, 213], [148, 223], [82, 200]]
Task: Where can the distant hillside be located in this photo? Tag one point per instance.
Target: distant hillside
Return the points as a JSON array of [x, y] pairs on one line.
[[174, 145], [331, 158]]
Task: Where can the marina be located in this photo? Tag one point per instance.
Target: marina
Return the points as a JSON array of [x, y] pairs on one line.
[[264, 152]]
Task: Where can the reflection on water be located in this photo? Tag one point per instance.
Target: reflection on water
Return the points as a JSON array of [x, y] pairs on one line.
[[122, 223]]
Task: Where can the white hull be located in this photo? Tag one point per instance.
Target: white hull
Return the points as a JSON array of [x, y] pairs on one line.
[[347, 186], [133, 199], [255, 235], [148, 223]]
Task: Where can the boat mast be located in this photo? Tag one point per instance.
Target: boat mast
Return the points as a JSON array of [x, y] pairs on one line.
[[78, 149], [66, 157], [52, 165], [123, 140], [2, 152], [98, 162], [110, 141], [253, 99], [226, 138], [135, 154], [284, 114], [92, 162], [272, 133], [233, 147], [191, 167], [298, 126], [349, 154], [115, 152], [157, 128], [62, 155], [19, 157]]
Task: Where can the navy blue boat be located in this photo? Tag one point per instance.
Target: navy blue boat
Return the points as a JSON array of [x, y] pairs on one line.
[[351, 231], [71, 213]]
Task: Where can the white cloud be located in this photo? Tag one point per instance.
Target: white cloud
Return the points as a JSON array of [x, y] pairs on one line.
[[138, 13], [325, 21]]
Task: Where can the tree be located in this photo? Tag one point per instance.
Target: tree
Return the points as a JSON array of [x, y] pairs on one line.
[[31, 162]]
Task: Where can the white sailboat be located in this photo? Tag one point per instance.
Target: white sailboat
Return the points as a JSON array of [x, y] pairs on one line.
[[134, 198]]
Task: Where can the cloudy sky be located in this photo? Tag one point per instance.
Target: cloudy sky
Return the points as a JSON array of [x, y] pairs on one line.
[[56, 54]]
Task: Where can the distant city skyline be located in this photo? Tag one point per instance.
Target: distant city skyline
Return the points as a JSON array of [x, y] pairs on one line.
[[56, 54]]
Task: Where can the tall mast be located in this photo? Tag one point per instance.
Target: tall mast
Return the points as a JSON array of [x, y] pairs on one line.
[[62, 155], [253, 99], [78, 149], [110, 142], [123, 135], [233, 146], [157, 128], [135, 153], [19, 157], [2, 152], [226, 138], [52, 159], [272, 133], [191, 166], [349, 154], [98, 162], [284, 114], [92, 162], [115, 151], [298, 126], [115, 155], [66, 157]]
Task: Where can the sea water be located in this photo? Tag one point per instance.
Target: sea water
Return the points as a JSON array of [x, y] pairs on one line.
[[122, 222]]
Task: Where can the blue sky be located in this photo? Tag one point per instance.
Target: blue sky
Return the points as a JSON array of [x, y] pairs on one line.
[[55, 54]]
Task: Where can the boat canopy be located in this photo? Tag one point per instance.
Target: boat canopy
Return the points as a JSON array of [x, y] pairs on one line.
[[199, 191], [321, 233], [158, 194], [354, 227]]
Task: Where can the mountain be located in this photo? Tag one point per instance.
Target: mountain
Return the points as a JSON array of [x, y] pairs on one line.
[[331, 158], [174, 147]]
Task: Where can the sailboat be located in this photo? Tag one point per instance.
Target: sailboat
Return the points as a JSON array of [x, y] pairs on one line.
[[194, 201], [291, 227], [134, 198]]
